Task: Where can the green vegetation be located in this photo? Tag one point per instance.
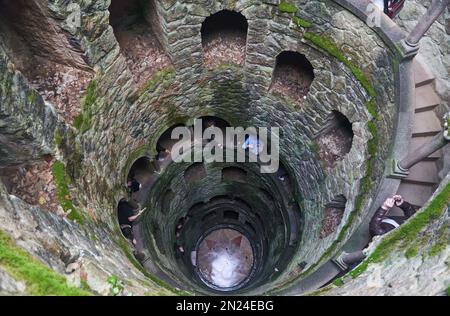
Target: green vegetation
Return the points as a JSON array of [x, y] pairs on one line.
[[159, 76], [366, 182], [58, 138], [116, 285], [39, 279], [448, 291], [83, 121], [31, 96], [407, 233], [287, 7], [78, 121], [301, 23], [62, 191], [125, 248], [338, 282], [441, 243], [331, 48], [412, 252]]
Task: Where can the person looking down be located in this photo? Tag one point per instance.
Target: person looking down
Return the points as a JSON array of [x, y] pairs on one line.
[[381, 223]]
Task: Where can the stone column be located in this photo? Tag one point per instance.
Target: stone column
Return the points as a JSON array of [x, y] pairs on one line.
[[434, 11], [426, 149], [409, 47]]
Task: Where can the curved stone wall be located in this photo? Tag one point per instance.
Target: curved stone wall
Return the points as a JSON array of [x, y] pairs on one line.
[[241, 97], [120, 121]]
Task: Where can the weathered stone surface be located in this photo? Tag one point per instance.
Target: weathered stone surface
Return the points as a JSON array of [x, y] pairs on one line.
[[85, 253], [425, 273], [434, 46], [27, 124], [9, 285], [126, 122]]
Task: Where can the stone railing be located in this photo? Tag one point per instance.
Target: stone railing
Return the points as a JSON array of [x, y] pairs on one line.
[[439, 141]]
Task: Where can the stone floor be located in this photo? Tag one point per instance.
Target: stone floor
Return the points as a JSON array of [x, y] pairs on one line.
[[225, 258]]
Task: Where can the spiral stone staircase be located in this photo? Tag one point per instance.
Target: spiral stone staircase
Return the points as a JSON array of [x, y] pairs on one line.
[[360, 85], [423, 177]]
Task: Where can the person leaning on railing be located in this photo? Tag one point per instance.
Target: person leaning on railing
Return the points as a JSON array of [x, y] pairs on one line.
[[381, 224]]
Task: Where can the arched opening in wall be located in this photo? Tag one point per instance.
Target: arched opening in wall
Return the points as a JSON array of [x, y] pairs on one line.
[[52, 60], [125, 210], [335, 139], [139, 178], [236, 174], [194, 209], [34, 183], [213, 122], [334, 212], [137, 29], [242, 203], [231, 215], [165, 143], [194, 172], [224, 38], [209, 216], [292, 76]]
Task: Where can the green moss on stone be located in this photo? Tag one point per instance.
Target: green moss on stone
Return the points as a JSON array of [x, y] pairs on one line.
[[125, 248], [338, 282], [58, 138], [407, 233], [62, 192], [40, 280], [158, 77], [366, 182], [287, 7], [83, 121], [301, 22], [412, 252], [31, 96], [441, 243], [331, 48], [78, 121]]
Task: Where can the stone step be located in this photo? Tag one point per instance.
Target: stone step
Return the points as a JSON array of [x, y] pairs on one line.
[[425, 172], [426, 124], [416, 194], [422, 76], [416, 142], [426, 98]]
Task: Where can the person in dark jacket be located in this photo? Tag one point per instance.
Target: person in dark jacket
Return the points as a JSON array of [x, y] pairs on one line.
[[133, 186], [126, 218], [382, 224]]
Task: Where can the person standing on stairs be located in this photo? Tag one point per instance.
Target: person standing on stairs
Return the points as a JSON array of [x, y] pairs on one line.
[[126, 214], [381, 224]]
